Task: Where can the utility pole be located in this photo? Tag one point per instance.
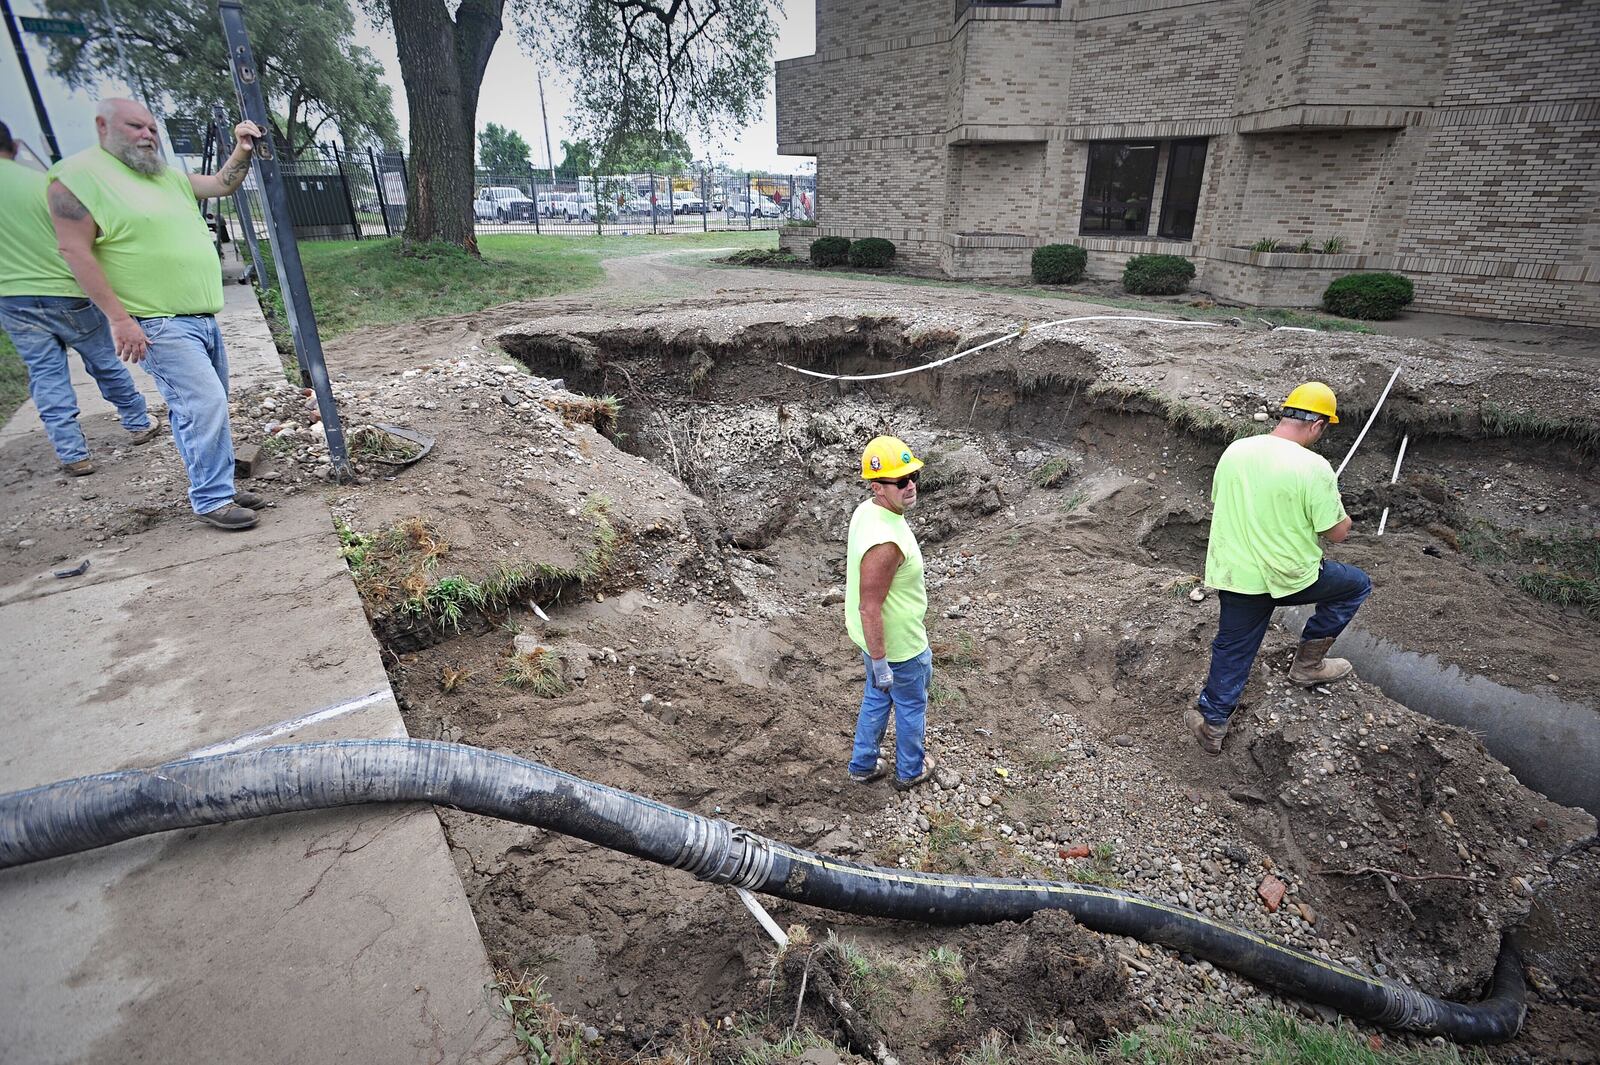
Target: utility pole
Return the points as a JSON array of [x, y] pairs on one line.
[[548, 156], [33, 86]]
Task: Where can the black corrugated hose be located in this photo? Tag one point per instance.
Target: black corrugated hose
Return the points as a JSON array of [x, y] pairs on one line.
[[79, 815]]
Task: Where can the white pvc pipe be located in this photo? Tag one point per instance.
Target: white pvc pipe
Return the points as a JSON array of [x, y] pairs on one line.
[[1383, 519], [991, 343], [1363, 434]]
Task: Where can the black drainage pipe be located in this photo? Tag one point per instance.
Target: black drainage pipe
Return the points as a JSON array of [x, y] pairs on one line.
[[89, 812]]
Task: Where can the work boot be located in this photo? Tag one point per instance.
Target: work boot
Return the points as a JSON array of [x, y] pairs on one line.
[[1207, 735], [1312, 666], [230, 516], [250, 499], [879, 770], [928, 766], [81, 468], [144, 436]]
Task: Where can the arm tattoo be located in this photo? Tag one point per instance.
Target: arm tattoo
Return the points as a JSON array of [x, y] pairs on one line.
[[232, 173], [64, 205]]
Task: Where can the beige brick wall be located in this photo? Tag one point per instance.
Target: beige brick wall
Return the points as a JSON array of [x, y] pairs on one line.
[[1452, 140]]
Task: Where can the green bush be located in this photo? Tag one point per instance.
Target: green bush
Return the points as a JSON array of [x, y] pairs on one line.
[[871, 251], [830, 251], [1368, 296], [1058, 264], [1157, 275]]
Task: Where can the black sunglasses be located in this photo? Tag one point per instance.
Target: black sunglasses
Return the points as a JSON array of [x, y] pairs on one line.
[[901, 482]]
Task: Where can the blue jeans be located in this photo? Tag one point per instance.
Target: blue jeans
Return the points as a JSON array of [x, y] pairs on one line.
[[42, 328], [909, 697], [1338, 591], [190, 367]]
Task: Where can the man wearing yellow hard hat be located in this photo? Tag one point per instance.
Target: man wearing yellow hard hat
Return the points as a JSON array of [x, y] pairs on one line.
[[885, 602], [1272, 497]]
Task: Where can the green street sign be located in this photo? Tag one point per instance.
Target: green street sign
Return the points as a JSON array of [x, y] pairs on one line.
[[64, 27]]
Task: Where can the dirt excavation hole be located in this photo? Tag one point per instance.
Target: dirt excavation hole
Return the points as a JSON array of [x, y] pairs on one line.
[[693, 539]]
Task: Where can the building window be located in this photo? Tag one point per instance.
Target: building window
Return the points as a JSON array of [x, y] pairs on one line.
[[1180, 199], [1119, 187]]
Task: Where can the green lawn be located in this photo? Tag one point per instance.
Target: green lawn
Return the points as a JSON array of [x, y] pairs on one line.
[[13, 379], [367, 282]]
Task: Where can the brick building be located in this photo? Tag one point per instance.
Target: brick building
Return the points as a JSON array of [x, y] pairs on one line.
[[1454, 141]]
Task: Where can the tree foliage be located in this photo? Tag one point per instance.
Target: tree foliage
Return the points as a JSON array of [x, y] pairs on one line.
[[503, 151], [317, 82], [643, 152]]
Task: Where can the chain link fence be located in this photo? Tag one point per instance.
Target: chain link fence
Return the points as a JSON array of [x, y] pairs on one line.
[[340, 194]]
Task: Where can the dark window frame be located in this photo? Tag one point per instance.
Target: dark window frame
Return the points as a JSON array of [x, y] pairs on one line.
[[962, 6], [1171, 225], [1118, 217]]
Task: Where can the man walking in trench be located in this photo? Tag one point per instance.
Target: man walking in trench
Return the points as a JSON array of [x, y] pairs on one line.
[[45, 312], [885, 602], [129, 227], [1272, 498]]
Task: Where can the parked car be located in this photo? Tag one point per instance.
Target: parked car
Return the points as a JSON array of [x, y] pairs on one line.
[[687, 203], [503, 203], [556, 205], [753, 207]]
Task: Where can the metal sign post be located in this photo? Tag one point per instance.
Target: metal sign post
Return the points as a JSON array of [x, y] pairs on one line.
[[280, 225], [36, 26], [241, 203]]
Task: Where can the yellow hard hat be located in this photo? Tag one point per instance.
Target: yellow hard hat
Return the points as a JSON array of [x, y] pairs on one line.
[[1315, 397], [886, 458]]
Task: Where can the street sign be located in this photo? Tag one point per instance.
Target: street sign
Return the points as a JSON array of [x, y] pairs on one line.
[[62, 26]]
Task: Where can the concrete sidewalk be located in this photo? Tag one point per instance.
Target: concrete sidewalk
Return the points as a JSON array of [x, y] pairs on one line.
[[337, 936]]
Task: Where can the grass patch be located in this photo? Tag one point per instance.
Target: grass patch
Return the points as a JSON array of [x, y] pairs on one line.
[[599, 412], [787, 1048], [547, 1036], [942, 695], [537, 672], [961, 652], [1563, 570], [362, 283], [13, 379], [1052, 472], [1184, 417], [1497, 420]]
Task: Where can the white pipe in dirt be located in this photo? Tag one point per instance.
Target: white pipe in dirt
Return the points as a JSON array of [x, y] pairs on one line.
[[1362, 435], [1383, 519], [992, 343], [763, 918]]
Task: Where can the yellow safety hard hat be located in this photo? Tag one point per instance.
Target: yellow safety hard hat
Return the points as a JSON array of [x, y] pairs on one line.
[[1315, 397], [887, 458]]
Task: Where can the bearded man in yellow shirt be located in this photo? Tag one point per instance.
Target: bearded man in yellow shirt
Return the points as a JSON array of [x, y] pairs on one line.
[[130, 228]]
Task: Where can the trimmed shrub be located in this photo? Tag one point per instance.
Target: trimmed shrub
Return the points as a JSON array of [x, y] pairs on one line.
[[1157, 275], [871, 251], [1368, 296], [830, 251], [1058, 264]]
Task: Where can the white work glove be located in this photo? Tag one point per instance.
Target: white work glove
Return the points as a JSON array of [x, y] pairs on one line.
[[881, 675]]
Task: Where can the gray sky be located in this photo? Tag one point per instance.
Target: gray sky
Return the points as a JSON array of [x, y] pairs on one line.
[[509, 96]]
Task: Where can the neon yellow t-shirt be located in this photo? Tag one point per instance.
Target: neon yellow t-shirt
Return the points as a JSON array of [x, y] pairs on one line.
[[907, 602], [1270, 498], [153, 245], [30, 263]]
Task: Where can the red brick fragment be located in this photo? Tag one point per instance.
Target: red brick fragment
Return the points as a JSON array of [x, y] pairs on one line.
[[1272, 891]]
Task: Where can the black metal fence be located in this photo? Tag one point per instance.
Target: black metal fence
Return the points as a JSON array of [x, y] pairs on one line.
[[340, 194]]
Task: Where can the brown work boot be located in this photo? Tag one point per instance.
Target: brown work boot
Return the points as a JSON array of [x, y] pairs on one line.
[[1312, 666], [250, 499], [1207, 735], [81, 468], [144, 436], [929, 764], [229, 516]]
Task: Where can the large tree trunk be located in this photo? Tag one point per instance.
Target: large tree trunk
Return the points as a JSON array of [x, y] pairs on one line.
[[442, 64]]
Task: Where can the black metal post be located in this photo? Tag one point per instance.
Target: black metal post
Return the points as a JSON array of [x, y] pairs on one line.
[[285, 250], [790, 206], [344, 179], [705, 204], [241, 201], [33, 87], [377, 185], [652, 203], [749, 206], [533, 194]]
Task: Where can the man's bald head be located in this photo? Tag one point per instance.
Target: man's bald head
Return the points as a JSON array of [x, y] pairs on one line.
[[127, 130]]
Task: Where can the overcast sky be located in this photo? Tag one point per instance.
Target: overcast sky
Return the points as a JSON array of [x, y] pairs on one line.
[[509, 97]]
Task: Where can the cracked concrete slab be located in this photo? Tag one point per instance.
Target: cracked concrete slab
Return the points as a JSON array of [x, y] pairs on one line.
[[332, 936]]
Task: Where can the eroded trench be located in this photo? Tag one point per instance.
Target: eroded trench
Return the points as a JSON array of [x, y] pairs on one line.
[[1064, 521]]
